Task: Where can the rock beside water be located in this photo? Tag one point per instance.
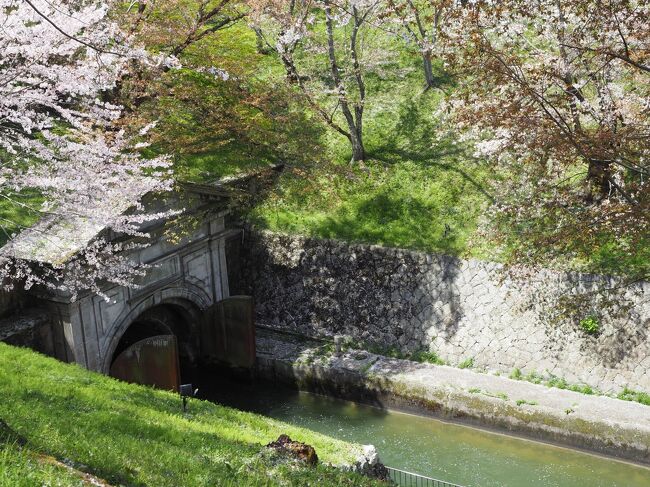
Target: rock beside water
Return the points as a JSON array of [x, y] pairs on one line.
[[370, 465], [295, 449]]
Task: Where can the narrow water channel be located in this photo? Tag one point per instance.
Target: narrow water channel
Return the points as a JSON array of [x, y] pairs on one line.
[[459, 454]]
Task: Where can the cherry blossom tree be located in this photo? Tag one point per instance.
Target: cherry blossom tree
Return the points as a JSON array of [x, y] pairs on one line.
[[420, 23], [556, 94], [299, 24], [58, 139]]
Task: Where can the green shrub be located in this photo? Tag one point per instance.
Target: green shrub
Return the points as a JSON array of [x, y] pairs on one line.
[[590, 324], [534, 377], [427, 356], [637, 396], [521, 402], [467, 363], [582, 388], [559, 382], [516, 374]]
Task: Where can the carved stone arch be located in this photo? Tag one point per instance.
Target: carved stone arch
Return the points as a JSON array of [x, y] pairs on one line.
[[189, 300]]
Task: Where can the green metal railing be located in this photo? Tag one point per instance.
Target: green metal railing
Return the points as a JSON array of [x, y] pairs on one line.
[[410, 479]]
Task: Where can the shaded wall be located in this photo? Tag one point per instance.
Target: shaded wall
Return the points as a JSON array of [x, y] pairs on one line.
[[10, 301], [460, 309], [26, 321]]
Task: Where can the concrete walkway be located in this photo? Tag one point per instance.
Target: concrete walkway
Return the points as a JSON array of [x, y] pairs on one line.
[[596, 423]]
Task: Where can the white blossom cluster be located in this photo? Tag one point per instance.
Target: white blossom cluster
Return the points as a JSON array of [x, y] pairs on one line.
[[57, 137], [559, 69]]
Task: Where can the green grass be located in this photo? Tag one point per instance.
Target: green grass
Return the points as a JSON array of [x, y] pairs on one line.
[[561, 383], [516, 374], [426, 356], [498, 395], [23, 468], [521, 402], [419, 188], [410, 193], [134, 435], [637, 396], [468, 363]]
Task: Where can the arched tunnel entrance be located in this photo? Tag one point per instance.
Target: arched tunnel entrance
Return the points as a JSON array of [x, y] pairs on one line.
[[167, 344], [159, 347]]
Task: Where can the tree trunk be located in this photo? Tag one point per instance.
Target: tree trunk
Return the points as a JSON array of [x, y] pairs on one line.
[[290, 69], [429, 80], [598, 180], [354, 121], [356, 140], [260, 42]]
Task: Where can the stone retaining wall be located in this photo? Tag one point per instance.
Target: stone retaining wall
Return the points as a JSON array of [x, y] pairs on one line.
[[461, 309]]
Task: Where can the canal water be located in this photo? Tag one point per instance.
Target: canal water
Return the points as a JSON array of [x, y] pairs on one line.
[[458, 454]]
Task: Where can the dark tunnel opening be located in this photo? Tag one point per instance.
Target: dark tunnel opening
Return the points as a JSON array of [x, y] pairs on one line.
[[165, 319]]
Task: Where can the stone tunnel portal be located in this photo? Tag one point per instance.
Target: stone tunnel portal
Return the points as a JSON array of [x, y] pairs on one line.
[[159, 347]]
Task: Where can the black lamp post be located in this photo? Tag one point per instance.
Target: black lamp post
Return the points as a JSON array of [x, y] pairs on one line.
[[187, 391]]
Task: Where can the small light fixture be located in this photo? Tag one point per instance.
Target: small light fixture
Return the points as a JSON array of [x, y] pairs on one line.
[[186, 391]]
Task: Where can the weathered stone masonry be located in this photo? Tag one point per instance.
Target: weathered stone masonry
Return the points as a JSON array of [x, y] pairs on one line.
[[458, 308]]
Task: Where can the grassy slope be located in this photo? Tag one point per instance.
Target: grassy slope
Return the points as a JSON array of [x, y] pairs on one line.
[[23, 468], [133, 435], [416, 192]]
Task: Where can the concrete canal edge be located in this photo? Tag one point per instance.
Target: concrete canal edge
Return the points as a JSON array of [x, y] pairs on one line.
[[599, 424]]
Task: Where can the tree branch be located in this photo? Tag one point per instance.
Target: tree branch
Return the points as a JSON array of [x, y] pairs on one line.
[[76, 39]]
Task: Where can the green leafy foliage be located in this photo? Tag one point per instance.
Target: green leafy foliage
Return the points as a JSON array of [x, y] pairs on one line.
[[590, 324], [559, 382], [215, 128], [516, 374], [638, 396], [522, 402], [427, 356], [534, 377], [468, 363]]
